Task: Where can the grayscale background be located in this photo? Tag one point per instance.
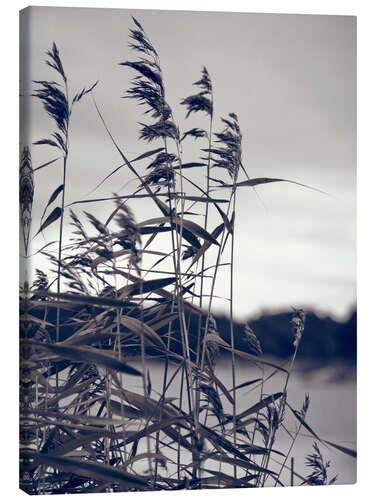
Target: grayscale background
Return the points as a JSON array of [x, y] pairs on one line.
[[291, 79]]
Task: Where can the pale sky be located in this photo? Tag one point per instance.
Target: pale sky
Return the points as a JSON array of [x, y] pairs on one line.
[[291, 79]]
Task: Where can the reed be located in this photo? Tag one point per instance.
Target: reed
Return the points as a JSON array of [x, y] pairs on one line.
[[103, 321]]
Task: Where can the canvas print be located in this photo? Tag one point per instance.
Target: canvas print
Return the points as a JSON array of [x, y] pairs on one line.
[[187, 250]]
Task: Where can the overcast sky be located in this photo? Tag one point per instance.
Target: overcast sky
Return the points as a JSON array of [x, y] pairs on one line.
[[291, 80]]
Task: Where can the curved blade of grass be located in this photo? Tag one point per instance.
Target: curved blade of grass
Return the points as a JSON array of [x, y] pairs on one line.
[[220, 441], [86, 355], [147, 154], [187, 235], [144, 155], [53, 197], [84, 92], [258, 359], [81, 299], [211, 376], [124, 410], [189, 165], [164, 320], [246, 384], [178, 438], [260, 405], [85, 420], [73, 444], [200, 199], [230, 481], [162, 206], [154, 229], [149, 406], [109, 198], [46, 164], [41, 249], [142, 456], [160, 291], [243, 354], [250, 448], [33, 319], [53, 216], [206, 245], [135, 289], [246, 464], [140, 329], [268, 180], [304, 424], [151, 429], [47, 142], [93, 470], [343, 449], [222, 214], [146, 286], [187, 224]]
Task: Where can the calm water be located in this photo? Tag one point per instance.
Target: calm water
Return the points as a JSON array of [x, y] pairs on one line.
[[332, 412]]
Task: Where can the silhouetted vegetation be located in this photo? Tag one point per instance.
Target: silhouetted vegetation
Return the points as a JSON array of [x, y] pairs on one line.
[[324, 337], [92, 418]]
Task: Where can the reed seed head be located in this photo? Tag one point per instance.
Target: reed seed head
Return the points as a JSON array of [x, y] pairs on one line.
[[298, 325], [252, 341], [212, 346], [319, 474], [229, 155], [129, 237], [203, 100], [148, 87]]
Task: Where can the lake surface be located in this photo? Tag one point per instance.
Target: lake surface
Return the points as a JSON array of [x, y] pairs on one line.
[[332, 411]]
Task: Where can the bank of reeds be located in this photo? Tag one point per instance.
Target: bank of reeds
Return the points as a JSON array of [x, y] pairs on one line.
[[93, 418]]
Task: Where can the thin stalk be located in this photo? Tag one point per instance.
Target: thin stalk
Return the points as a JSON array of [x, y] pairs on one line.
[[232, 338], [166, 363], [60, 248], [288, 454], [258, 412], [199, 331], [281, 408], [189, 378], [65, 160], [292, 471], [217, 265], [179, 440]]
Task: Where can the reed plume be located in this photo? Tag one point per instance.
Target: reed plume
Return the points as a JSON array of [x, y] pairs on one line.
[[319, 474], [129, 238], [298, 325], [201, 101], [229, 155], [252, 341], [148, 87]]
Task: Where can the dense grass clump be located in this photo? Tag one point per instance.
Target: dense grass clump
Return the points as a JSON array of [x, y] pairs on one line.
[[93, 417]]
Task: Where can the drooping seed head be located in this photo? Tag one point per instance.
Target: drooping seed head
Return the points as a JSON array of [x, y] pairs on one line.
[[252, 341], [298, 325]]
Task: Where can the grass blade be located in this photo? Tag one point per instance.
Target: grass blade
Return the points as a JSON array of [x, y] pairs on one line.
[[260, 405], [53, 216], [268, 180], [93, 470], [53, 197], [86, 355], [46, 164]]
